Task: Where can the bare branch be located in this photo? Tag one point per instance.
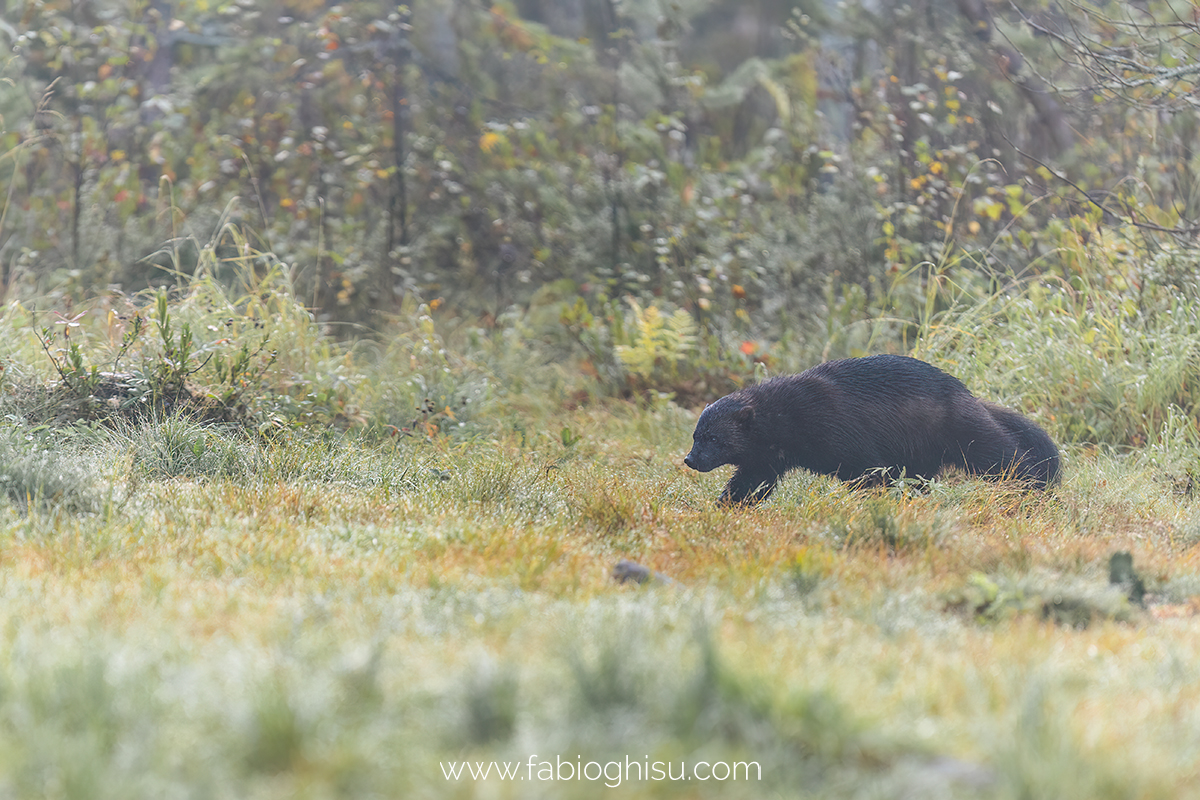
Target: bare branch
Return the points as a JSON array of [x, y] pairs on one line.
[[1128, 58], [1129, 214]]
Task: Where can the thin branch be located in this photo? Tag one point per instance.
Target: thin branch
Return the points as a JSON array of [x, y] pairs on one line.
[[1129, 214], [1108, 66]]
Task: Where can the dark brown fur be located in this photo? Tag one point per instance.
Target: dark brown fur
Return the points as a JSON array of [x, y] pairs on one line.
[[867, 420]]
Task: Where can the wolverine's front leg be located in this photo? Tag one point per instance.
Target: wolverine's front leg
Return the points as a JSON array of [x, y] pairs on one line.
[[748, 487]]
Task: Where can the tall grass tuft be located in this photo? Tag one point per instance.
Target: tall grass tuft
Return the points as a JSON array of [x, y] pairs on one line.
[[42, 469], [490, 701], [182, 447], [632, 687], [1043, 757], [276, 735]]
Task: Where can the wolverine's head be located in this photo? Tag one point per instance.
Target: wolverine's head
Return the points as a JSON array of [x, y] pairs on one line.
[[720, 434]]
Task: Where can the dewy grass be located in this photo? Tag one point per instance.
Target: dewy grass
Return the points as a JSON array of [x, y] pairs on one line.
[[40, 469], [890, 523], [1074, 601], [297, 630], [182, 447], [1095, 364], [351, 594]]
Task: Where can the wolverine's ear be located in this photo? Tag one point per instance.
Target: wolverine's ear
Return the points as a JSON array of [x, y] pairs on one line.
[[744, 414]]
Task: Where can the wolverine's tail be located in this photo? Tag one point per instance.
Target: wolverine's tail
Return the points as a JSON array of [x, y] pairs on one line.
[[1037, 457]]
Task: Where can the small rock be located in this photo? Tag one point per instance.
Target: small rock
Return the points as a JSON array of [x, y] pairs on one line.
[[626, 571]]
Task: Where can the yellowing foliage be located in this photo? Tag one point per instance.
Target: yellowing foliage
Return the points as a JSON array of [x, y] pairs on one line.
[[658, 340]]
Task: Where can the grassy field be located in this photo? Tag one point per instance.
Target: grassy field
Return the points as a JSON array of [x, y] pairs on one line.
[[325, 617], [348, 609]]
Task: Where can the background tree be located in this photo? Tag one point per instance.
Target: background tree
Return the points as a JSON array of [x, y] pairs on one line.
[[738, 161]]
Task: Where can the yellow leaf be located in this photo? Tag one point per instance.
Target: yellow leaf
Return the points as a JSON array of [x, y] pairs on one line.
[[489, 140], [987, 207]]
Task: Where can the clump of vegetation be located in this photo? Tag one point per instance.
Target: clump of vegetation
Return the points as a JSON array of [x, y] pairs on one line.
[[810, 569], [40, 468], [1066, 600], [1096, 363], [891, 524], [182, 447]]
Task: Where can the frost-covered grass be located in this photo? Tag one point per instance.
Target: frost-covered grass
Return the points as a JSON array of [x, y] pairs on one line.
[[328, 616], [379, 564]]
